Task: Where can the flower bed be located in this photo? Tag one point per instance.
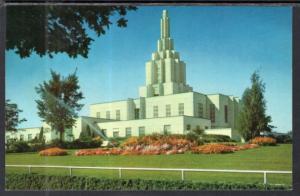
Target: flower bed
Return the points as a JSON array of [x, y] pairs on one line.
[[53, 152], [263, 141], [99, 151], [157, 144], [247, 146], [220, 148], [213, 149], [147, 145]]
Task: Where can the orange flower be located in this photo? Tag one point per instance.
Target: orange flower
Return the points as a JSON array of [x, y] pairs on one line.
[[212, 149], [53, 152], [263, 141]]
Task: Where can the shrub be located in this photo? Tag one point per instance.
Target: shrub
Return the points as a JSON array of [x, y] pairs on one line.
[[213, 138], [53, 152], [282, 139], [44, 182], [263, 141], [35, 147], [213, 149], [17, 146], [77, 144]]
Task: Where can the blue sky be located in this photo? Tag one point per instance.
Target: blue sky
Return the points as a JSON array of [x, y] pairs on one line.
[[222, 46]]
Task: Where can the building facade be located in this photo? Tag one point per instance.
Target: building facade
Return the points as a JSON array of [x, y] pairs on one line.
[[166, 104]]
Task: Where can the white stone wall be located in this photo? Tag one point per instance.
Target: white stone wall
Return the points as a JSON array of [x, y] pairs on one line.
[[220, 101], [34, 132], [153, 125], [173, 100], [126, 108]]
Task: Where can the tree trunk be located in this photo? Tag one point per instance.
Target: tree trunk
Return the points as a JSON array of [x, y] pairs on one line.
[[60, 136]]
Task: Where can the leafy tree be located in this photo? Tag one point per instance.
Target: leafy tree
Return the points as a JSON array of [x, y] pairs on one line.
[[58, 104], [12, 119], [252, 118], [55, 29]]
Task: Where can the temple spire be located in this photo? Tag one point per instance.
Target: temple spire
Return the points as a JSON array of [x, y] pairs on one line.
[[165, 25]]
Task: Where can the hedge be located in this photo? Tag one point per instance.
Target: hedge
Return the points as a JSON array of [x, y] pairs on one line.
[[44, 182]]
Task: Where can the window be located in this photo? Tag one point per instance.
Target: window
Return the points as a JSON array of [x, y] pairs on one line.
[[167, 129], [212, 113], [200, 110], [181, 109], [141, 131], [107, 115], [226, 113], [188, 127], [7, 137], [118, 114], [168, 110], [136, 113], [98, 115], [155, 111], [116, 134], [21, 137], [29, 137], [128, 132]]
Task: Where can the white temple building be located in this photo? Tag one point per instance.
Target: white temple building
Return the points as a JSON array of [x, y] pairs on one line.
[[166, 104]]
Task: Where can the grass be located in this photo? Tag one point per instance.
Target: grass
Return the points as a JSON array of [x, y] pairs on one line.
[[263, 158]]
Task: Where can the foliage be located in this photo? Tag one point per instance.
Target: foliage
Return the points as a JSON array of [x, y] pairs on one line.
[[196, 135], [212, 149], [252, 118], [281, 138], [41, 135], [58, 104], [12, 119], [59, 29], [221, 148], [209, 138], [76, 144], [263, 141], [147, 145], [86, 134], [53, 152], [13, 146], [44, 182]]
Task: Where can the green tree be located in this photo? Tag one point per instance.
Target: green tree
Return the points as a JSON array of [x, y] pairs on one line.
[[59, 101], [12, 119], [52, 29], [252, 118], [86, 134]]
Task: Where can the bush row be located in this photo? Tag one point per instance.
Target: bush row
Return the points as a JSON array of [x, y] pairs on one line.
[[22, 146], [43, 182]]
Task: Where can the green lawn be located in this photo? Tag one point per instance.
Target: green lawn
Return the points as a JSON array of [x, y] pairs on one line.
[[263, 158]]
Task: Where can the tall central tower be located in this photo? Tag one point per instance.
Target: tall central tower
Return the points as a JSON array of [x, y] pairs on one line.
[[165, 72]]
